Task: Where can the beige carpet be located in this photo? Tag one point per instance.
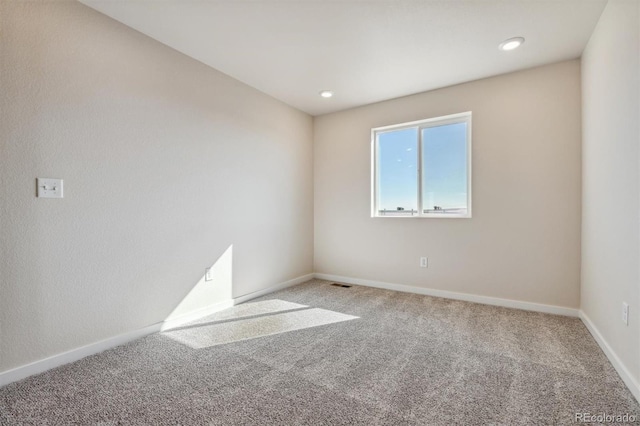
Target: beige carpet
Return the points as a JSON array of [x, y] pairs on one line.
[[406, 359]]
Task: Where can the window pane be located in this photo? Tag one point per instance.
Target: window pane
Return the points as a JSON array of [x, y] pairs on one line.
[[398, 173], [444, 169]]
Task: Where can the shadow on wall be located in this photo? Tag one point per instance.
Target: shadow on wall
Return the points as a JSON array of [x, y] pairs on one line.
[[211, 293]]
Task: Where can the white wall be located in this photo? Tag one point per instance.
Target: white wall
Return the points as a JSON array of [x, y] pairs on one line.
[[611, 181], [166, 164], [523, 242]]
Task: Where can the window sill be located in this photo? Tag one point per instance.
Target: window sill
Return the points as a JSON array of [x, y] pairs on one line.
[[431, 216]]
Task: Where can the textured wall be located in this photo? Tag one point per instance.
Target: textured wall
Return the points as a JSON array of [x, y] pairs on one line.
[[166, 164], [611, 179], [523, 242]]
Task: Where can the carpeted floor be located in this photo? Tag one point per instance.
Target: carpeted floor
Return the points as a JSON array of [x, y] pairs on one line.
[[406, 359]]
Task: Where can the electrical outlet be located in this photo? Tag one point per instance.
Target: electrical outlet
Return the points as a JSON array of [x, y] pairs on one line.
[[208, 275], [625, 313], [424, 262]]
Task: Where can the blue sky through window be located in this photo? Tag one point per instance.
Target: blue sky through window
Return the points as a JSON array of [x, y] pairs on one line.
[[444, 163], [398, 169]]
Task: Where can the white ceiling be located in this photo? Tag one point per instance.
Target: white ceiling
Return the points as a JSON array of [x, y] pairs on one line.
[[365, 51]]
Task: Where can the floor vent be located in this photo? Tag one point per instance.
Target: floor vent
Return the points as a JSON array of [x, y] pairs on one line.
[[341, 285]]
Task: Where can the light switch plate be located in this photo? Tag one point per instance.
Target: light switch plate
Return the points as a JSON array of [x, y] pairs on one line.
[[49, 188]]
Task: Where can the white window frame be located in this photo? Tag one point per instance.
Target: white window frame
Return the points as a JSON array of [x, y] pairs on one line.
[[463, 117]]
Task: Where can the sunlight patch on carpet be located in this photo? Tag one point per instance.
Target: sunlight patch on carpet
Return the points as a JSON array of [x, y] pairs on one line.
[[208, 335], [253, 309]]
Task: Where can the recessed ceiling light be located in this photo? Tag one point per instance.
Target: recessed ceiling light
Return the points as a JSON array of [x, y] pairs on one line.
[[512, 43], [326, 93]]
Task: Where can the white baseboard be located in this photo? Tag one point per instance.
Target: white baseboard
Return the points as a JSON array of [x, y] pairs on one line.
[[255, 294], [197, 314], [76, 354], [57, 360], [200, 313], [486, 300], [622, 370]]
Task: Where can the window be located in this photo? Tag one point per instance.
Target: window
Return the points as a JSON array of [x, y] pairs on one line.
[[423, 168]]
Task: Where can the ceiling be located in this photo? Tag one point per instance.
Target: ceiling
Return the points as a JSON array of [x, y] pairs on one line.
[[364, 51]]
